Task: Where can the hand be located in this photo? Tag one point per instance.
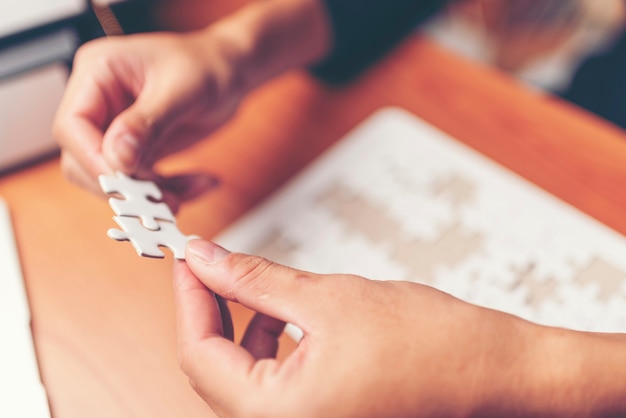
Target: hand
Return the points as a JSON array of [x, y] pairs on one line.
[[370, 348], [132, 101]]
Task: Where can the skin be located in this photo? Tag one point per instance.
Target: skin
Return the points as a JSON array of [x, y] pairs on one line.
[[126, 97], [370, 348], [379, 349]]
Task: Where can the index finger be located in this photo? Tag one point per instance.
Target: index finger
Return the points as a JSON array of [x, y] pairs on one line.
[[90, 102]]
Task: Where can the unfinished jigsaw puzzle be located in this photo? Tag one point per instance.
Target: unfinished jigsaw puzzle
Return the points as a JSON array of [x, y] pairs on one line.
[[399, 200], [147, 223]]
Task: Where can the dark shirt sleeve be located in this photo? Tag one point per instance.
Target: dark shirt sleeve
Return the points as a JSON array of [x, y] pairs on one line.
[[599, 84], [363, 30]]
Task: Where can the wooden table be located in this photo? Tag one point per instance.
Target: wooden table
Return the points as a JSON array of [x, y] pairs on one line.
[[103, 318]]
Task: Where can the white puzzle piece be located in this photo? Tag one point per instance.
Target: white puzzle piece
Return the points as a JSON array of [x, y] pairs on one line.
[[146, 241], [136, 200], [147, 224]]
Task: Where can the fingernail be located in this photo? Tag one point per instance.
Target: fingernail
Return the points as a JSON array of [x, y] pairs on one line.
[[127, 150], [206, 251]]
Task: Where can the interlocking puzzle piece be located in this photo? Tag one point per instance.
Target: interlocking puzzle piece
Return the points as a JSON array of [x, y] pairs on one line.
[[146, 241], [136, 200]]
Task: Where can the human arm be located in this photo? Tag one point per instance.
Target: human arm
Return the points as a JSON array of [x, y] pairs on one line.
[[133, 100], [380, 349]]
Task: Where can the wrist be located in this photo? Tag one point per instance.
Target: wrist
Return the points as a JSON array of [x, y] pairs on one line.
[[584, 373], [545, 371], [267, 38]]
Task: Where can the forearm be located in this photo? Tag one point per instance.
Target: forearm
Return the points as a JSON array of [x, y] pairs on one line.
[[268, 37], [558, 373], [585, 373]]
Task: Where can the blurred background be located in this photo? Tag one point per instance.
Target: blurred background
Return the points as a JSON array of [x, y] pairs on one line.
[[571, 48], [543, 42]]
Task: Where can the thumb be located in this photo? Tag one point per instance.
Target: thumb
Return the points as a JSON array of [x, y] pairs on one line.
[[280, 292], [131, 133]]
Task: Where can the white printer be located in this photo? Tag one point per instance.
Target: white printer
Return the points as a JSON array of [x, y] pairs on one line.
[[35, 47], [38, 39]]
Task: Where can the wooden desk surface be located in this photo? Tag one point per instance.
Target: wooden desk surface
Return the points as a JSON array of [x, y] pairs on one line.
[[103, 318]]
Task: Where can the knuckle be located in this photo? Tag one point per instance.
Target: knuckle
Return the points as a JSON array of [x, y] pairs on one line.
[[140, 122], [62, 131], [194, 386], [251, 272], [96, 56], [151, 125], [85, 53], [82, 53], [58, 129], [352, 278], [185, 360], [88, 50], [68, 169]]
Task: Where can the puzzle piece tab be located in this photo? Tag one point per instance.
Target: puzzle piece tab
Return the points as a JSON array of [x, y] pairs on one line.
[[136, 202], [147, 242]]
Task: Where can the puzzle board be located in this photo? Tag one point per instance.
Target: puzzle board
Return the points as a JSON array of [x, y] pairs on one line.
[[398, 199]]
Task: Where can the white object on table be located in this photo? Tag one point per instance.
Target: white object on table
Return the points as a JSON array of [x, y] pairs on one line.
[[21, 392], [21, 15], [28, 104]]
